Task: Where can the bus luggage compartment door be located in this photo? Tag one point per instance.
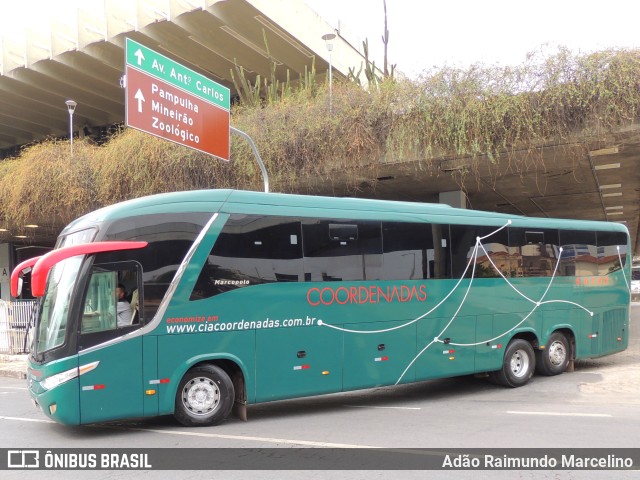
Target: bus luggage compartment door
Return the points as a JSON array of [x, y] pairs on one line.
[[380, 355], [454, 351], [297, 361]]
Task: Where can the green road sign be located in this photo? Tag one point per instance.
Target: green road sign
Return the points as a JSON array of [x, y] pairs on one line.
[[163, 68]]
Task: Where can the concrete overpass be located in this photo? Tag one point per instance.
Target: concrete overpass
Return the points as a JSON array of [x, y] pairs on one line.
[[79, 54]]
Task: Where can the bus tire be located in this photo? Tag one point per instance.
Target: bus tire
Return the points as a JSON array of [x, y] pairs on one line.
[[204, 397], [518, 365], [553, 360]]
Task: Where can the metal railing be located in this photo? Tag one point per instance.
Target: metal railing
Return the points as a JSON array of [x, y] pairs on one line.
[[14, 318]]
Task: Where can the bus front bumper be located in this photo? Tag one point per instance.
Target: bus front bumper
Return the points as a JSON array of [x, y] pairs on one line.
[[60, 404]]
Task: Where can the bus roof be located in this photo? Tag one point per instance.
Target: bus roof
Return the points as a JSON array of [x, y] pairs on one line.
[[241, 201]]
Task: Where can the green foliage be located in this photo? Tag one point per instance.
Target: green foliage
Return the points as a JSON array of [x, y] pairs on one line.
[[253, 95], [308, 83], [385, 41], [371, 72], [249, 94], [478, 117]]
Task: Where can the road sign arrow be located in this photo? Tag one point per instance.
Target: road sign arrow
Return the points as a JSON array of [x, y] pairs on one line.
[[140, 98], [140, 56]]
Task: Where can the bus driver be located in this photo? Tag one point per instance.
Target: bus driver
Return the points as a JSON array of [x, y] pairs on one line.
[[123, 308]]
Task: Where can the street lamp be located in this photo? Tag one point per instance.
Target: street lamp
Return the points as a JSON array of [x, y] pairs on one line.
[[71, 106], [328, 38]]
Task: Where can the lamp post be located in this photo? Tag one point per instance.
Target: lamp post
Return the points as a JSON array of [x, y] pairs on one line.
[[71, 106], [328, 37]]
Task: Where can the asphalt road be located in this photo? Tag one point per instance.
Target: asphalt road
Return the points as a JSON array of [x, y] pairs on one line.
[[598, 405]]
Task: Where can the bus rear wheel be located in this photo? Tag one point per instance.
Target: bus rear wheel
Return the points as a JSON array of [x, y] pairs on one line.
[[517, 366], [204, 397], [554, 358]]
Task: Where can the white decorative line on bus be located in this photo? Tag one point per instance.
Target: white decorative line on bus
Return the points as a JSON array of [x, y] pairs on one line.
[[472, 263]]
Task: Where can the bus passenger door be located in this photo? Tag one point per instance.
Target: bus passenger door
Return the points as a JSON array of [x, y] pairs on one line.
[[111, 384]]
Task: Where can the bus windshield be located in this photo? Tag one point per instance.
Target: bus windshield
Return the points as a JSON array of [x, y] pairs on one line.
[[56, 303], [52, 323]]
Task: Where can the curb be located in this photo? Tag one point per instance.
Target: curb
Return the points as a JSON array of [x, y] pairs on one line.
[[13, 373], [13, 366], [12, 358]]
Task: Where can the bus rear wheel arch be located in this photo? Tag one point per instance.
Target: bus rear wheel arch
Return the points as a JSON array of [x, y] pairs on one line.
[[555, 357], [205, 396], [518, 364]]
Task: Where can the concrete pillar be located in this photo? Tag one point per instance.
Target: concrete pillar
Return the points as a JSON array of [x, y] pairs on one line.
[[456, 199], [5, 271]]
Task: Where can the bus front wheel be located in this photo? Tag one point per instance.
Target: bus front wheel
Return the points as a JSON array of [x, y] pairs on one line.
[[554, 358], [204, 397], [517, 366]]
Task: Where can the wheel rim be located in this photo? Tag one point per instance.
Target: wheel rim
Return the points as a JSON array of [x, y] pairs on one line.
[[519, 363], [201, 396], [557, 353]]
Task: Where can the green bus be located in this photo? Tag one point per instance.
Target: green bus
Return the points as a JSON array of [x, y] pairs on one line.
[[229, 298]]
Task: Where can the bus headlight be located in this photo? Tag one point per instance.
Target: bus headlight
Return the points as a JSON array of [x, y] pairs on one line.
[[59, 378], [54, 380]]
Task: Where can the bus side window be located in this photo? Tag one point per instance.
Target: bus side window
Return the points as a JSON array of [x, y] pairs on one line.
[[414, 251], [612, 250], [169, 237], [336, 250], [99, 312], [534, 252], [108, 301], [251, 250], [579, 253], [492, 257]]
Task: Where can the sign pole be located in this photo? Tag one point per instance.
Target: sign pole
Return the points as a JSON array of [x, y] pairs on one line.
[[255, 152]]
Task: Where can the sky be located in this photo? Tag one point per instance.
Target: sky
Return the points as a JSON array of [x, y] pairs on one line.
[[433, 33]]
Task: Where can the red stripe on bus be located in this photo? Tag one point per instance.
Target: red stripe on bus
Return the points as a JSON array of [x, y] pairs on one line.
[[46, 262]]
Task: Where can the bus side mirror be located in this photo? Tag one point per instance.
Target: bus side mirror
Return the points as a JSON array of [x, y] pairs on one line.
[[21, 269], [20, 283]]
